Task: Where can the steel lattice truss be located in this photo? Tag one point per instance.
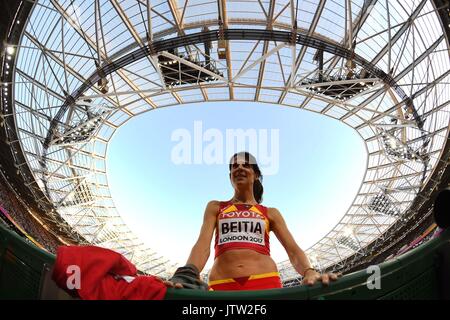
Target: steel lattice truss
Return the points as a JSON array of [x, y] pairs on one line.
[[84, 68]]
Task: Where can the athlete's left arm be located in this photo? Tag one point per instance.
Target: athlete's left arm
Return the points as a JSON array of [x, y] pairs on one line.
[[296, 255]]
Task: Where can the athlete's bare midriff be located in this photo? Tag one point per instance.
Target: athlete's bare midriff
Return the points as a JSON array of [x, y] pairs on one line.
[[241, 263]]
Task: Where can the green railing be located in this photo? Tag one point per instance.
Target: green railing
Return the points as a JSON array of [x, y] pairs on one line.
[[21, 266], [414, 275]]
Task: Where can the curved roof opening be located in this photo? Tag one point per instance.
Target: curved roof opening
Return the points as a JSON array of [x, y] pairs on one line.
[[164, 166]]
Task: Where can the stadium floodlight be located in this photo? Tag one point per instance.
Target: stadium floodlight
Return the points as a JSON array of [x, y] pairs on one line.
[[348, 242], [382, 204], [185, 68], [10, 50]]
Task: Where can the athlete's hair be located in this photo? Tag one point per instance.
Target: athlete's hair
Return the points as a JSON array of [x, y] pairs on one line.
[[258, 188]]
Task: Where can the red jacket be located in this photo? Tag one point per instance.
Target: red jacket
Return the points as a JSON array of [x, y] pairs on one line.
[[90, 273]]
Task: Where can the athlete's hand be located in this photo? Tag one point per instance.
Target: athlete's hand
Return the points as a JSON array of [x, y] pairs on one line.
[[169, 284], [187, 277], [312, 276]]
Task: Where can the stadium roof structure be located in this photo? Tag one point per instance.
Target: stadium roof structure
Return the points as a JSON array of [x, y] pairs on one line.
[[75, 71]]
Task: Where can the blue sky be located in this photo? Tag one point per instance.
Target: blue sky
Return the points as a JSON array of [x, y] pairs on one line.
[[314, 174]]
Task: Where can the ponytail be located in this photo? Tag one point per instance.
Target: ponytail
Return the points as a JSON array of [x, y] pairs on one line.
[[258, 190]]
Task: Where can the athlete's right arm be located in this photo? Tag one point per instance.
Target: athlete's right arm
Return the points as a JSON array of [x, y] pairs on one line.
[[201, 249]]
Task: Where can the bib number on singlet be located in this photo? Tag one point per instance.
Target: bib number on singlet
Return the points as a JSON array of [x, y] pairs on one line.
[[240, 230]]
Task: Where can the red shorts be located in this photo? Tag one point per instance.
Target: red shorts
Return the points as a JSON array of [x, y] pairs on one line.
[[254, 282]]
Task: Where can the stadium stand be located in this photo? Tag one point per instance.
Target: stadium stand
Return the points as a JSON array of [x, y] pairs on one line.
[[15, 215]]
